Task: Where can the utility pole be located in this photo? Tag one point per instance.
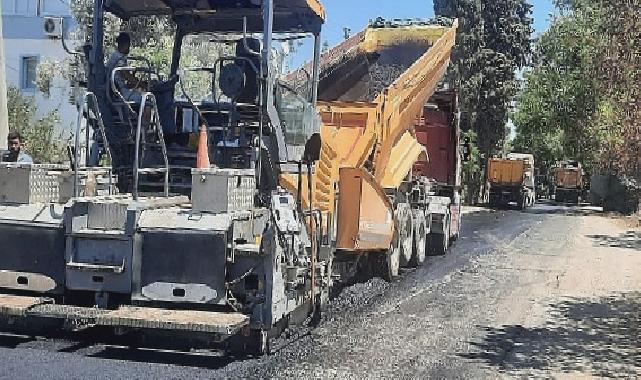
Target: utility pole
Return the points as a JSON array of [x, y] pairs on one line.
[[4, 113]]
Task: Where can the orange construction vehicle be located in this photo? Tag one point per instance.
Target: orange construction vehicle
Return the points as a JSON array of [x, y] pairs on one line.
[[568, 182], [373, 90]]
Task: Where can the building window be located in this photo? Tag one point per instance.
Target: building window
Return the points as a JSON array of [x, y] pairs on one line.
[[28, 66]]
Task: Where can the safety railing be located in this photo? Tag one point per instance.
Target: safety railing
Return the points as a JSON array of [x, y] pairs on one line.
[[88, 106]]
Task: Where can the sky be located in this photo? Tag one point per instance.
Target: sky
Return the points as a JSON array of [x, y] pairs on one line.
[[355, 14]]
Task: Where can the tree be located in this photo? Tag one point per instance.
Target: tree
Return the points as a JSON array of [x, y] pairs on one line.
[[42, 141], [581, 98], [493, 42]]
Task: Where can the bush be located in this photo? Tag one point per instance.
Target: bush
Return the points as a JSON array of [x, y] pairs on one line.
[[42, 141]]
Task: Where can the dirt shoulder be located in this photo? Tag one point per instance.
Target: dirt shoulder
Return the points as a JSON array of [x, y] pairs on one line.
[[576, 311]]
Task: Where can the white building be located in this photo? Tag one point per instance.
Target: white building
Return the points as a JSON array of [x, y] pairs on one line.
[[26, 44]]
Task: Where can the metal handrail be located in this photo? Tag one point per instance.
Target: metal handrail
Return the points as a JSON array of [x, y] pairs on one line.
[[155, 115], [116, 90], [84, 107]]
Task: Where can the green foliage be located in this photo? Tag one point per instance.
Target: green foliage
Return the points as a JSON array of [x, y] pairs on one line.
[[42, 141], [472, 171], [580, 100], [493, 42], [152, 38]]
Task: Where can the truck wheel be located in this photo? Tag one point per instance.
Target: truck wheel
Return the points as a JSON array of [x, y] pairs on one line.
[[392, 264], [420, 239], [558, 197], [387, 264], [405, 229]]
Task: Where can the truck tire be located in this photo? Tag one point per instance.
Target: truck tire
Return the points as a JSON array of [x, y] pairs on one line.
[[387, 264], [420, 239], [405, 232], [558, 197]]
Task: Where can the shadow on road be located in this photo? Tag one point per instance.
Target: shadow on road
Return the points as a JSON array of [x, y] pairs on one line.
[[596, 336], [13, 341], [629, 239], [105, 345]]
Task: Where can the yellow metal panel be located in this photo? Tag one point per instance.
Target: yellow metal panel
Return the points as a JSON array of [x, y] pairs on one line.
[[323, 180], [403, 101], [317, 7], [504, 171], [568, 178], [377, 38], [365, 214], [402, 157]]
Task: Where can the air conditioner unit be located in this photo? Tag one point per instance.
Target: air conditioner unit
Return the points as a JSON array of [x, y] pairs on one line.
[[52, 27]]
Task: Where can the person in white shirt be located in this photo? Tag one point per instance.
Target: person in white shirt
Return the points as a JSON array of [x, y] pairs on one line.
[[16, 153], [124, 79]]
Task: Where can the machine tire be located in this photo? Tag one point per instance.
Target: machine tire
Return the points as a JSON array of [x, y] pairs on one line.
[[420, 239], [405, 230], [258, 343]]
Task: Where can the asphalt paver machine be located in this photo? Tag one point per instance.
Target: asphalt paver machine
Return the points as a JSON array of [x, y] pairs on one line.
[[243, 256]]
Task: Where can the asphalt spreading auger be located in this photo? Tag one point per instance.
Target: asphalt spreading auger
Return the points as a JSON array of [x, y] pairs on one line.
[[257, 243]]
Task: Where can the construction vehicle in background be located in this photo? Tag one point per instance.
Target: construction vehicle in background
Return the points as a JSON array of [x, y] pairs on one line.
[[511, 180], [372, 90], [568, 182], [310, 183]]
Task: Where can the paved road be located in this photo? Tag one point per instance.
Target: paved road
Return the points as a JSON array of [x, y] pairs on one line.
[[551, 292]]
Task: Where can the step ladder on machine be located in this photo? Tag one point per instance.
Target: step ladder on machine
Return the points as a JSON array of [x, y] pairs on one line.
[[149, 140], [86, 154]]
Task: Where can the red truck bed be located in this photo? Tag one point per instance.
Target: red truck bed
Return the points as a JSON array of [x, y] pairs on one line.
[[435, 131]]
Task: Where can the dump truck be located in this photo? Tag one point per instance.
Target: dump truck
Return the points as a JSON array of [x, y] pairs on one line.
[[568, 182], [372, 90], [439, 132], [511, 180], [308, 184]]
